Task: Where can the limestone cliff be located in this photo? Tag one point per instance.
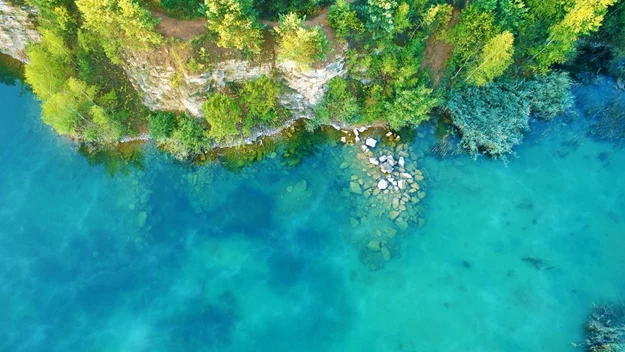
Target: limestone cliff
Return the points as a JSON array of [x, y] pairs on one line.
[[165, 88], [17, 29]]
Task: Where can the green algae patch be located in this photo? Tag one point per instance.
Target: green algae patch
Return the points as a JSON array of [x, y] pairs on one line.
[[120, 158]]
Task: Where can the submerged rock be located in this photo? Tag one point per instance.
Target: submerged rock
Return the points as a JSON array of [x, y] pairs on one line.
[[386, 254], [374, 245], [355, 188]]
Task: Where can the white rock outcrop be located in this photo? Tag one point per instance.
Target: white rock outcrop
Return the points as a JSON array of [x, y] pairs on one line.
[[17, 29]]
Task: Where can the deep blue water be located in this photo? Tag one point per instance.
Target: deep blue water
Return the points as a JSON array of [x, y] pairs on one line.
[[174, 257]]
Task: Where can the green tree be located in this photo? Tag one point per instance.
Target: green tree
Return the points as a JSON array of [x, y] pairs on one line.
[[344, 20], [189, 137], [381, 17], [298, 43], [491, 119], [469, 36], [121, 25], [495, 58], [410, 107], [223, 115], [235, 23], [49, 66], [260, 99], [338, 104], [69, 110], [162, 125], [584, 17]]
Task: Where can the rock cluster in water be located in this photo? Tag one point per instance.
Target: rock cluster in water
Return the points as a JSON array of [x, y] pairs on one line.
[[385, 186]]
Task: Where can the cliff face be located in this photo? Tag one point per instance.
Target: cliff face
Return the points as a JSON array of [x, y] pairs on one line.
[[165, 89], [17, 29]]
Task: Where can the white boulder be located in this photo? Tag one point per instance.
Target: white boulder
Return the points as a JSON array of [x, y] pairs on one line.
[[382, 184], [370, 142]]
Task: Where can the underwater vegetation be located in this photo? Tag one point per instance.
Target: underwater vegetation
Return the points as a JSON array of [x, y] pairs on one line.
[[606, 329], [610, 125]]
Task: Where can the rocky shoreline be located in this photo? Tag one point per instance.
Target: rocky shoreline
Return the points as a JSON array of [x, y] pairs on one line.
[[386, 188]]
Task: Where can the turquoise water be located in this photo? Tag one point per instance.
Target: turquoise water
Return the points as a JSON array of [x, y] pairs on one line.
[[172, 257]]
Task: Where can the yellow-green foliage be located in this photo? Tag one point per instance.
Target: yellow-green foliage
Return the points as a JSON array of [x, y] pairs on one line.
[[223, 114], [259, 97], [584, 17], [410, 107], [436, 18], [470, 35], [49, 64], [344, 19], [495, 58], [65, 109], [121, 24], [298, 43], [235, 24]]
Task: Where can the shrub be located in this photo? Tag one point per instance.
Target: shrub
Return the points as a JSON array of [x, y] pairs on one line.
[[189, 135], [235, 23], [338, 103], [300, 44], [223, 115], [259, 97], [492, 119], [344, 20], [410, 107], [550, 95], [162, 125]]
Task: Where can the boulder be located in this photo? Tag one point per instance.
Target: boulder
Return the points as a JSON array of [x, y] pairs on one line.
[[374, 161], [401, 224], [370, 142], [374, 246], [354, 222], [355, 188], [386, 254], [386, 167], [401, 161], [393, 215], [383, 184]]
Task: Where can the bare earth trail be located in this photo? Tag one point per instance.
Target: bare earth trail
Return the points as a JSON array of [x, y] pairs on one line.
[[188, 29], [437, 52], [183, 29]]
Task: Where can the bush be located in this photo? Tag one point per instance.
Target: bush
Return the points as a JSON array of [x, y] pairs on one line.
[[189, 135], [550, 95], [410, 107], [338, 104], [182, 8], [235, 23], [259, 97], [492, 119], [344, 20], [162, 125], [223, 115], [300, 44]]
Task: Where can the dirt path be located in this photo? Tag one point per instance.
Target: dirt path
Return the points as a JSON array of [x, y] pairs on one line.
[[183, 29], [437, 52], [188, 29]]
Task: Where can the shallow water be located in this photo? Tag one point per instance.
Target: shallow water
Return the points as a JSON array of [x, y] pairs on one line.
[[173, 257]]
